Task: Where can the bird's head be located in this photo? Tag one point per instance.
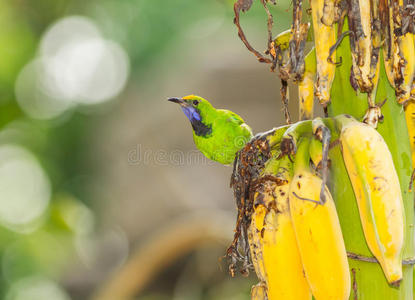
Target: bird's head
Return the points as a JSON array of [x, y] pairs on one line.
[[197, 110]]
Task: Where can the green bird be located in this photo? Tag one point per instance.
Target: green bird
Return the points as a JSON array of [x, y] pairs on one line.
[[218, 133]]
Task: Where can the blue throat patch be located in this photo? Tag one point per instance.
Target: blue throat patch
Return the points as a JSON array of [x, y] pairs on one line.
[[191, 113], [199, 127]]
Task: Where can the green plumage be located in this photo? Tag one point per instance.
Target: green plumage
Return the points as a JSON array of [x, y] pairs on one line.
[[218, 133]]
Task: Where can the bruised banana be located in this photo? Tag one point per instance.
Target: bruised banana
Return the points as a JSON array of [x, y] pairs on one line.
[[376, 44], [259, 292], [272, 240], [325, 37], [410, 123], [407, 55], [273, 136], [400, 66], [405, 67], [361, 56], [376, 186], [390, 50], [306, 87], [292, 135], [329, 14], [279, 50], [318, 232]]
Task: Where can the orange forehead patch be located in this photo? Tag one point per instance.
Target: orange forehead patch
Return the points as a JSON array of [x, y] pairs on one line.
[[189, 97]]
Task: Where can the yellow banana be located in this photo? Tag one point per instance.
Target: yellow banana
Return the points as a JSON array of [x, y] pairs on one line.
[[325, 37], [272, 240], [318, 232], [376, 186], [255, 241], [306, 87]]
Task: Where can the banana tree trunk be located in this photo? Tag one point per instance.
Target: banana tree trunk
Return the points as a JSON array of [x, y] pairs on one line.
[[368, 280]]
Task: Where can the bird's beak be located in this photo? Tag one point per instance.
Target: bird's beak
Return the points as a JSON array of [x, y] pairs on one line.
[[177, 100]]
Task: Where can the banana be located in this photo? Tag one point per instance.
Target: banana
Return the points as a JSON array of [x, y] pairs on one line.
[[410, 123], [318, 232], [259, 292], [272, 240], [306, 87], [390, 50], [376, 43], [374, 113], [329, 7], [407, 63], [315, 152], [279, 50], [405, 66], [388, 63], [361, 44], [376, 186], [325, 37], [400, 65], [255, 241]]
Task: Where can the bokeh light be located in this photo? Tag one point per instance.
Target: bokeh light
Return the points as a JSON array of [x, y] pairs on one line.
[[34, 94], [76, 65], [36, 288], [24, 189]]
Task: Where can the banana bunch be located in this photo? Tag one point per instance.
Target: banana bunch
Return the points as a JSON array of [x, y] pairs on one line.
[[271, 237], [297, 250], [295, 240], [377, 64]]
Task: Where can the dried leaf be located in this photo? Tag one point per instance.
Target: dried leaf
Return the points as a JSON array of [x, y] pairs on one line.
[[244, 5]]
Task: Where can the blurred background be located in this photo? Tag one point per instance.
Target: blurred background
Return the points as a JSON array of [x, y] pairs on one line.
[[102, 192]]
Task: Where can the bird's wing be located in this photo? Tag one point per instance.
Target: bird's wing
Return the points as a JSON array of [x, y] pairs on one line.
[[232, 117]]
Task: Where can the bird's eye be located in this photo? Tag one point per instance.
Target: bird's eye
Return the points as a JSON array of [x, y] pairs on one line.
[[195, 102]]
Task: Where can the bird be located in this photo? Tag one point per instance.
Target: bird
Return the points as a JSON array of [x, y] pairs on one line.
[[218, 133]]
